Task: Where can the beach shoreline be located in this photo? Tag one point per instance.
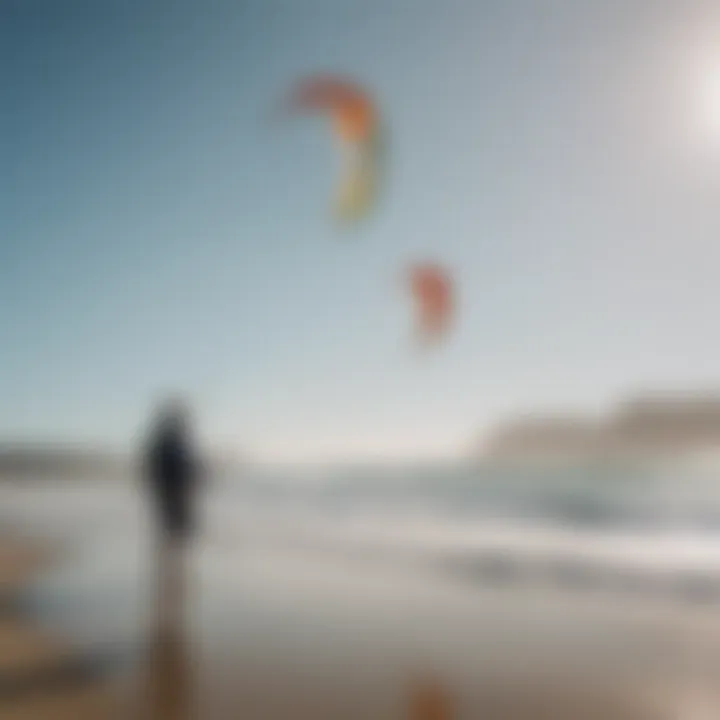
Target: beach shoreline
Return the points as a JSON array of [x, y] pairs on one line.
[[275, 633]]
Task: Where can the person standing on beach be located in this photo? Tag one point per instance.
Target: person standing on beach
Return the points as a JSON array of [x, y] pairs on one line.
[[172, 473]]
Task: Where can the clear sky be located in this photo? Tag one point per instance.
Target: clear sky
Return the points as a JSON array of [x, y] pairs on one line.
[[561, 156]]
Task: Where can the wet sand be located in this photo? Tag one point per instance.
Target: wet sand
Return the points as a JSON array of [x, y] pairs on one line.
[[19, 561], [28, 653], [286, 635]]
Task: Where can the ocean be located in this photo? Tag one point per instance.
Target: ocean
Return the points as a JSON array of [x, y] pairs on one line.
[[654, 526]]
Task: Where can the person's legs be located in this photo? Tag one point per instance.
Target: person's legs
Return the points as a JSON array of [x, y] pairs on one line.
[[177, 583], [171, 572], [170, 588], [161, 589]]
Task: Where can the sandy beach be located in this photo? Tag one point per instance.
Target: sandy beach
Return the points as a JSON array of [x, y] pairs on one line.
[[280, 634]]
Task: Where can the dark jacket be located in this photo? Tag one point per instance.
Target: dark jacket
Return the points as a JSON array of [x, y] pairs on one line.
[[172, 472]]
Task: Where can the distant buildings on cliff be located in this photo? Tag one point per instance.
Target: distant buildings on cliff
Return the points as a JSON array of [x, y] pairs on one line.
[[652, 426]]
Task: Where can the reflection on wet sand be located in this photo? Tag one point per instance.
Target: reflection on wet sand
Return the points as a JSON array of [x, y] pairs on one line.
[[168, 680], [429, 700]]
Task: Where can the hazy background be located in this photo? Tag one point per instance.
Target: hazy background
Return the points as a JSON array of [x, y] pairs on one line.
[[156, 231]]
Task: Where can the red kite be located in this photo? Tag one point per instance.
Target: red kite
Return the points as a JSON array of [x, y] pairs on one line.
[[432, 289]]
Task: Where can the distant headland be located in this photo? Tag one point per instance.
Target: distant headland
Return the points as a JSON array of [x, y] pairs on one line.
[[657, 425]]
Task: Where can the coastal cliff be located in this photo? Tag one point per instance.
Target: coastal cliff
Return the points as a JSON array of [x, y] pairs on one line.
[[653, 425]]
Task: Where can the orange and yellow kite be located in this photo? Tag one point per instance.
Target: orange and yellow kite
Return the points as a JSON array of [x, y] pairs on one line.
[[355, 122]]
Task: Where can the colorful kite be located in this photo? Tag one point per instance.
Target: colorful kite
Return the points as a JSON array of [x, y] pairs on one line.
[[355, 122]]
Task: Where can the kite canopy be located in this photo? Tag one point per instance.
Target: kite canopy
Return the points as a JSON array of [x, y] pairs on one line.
[[355, 123], [352, 110], [432, 290]]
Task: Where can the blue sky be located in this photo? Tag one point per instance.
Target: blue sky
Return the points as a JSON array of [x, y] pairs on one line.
[[156, 232]]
